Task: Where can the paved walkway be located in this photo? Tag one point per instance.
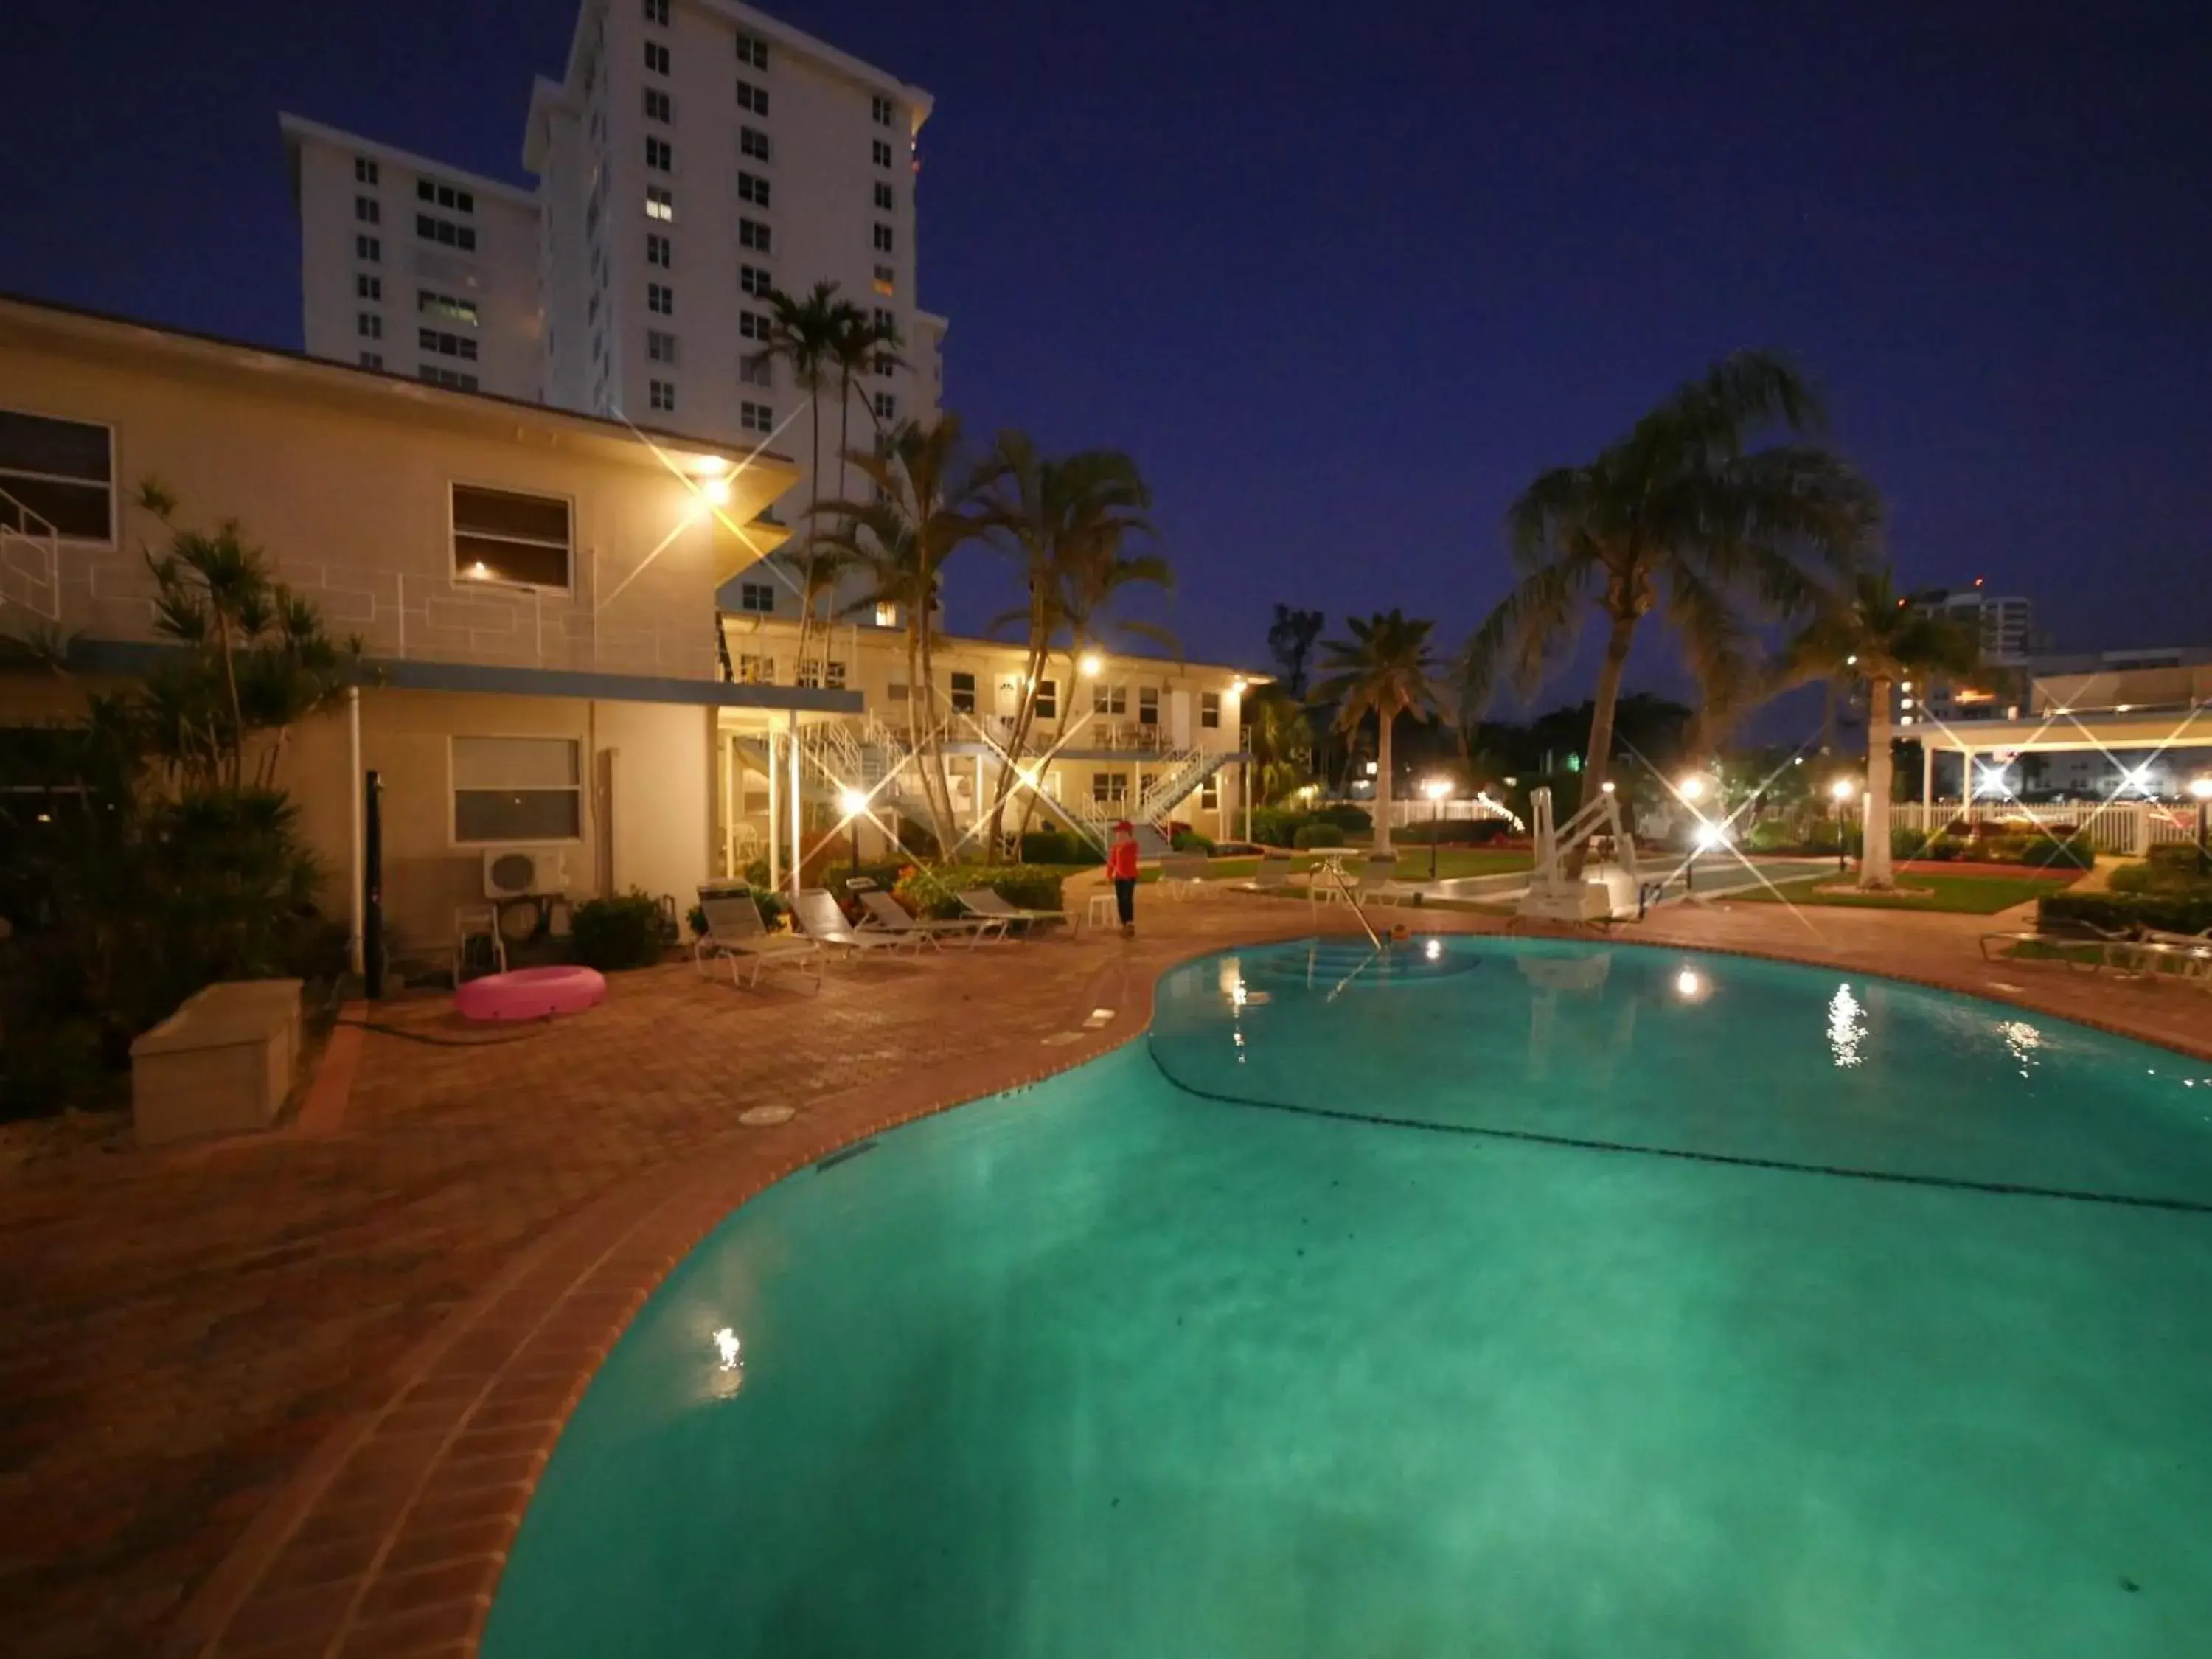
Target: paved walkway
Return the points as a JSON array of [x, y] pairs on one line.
[[336, 1345]]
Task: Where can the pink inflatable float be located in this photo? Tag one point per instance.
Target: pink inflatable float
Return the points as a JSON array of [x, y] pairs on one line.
[[530, 993]]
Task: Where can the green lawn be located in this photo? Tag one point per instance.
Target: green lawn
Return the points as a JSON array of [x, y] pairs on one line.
[[1977, 895], [1412, 864]]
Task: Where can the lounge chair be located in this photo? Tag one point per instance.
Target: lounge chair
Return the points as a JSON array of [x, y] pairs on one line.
[[2154, 950], [819, 918], [1273, 876], [983, 902], [1182, 875], [735, 933], [887, 915], [2067, 938], [1377, 882]]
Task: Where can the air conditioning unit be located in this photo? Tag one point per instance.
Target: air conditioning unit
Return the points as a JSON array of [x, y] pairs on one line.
[[510, 872]]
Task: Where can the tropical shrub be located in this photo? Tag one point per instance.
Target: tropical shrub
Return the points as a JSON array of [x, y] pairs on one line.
[[614, 934], [2173, 913], [1189, 841], [1057, 846], [936, 891], [1317, 835], [1352, 820], [1278, 826]]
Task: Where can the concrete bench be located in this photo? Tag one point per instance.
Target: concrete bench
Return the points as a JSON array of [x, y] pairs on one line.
[[220, 1065]]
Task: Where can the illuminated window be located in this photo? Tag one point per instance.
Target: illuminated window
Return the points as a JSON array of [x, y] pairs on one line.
[[501, 536], [887, 616], [522, 789], [886, 280], [445, 305], [756, 671], [659, 202]]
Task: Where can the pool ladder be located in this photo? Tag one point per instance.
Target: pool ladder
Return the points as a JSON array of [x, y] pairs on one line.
[[1352, 898]]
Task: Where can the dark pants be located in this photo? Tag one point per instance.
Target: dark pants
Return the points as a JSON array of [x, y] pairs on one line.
[[1125, 899]]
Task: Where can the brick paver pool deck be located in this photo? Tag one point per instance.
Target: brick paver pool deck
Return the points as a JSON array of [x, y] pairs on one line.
[[287, 1394]]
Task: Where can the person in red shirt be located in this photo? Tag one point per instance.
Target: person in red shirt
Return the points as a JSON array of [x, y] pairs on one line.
[[1122, 869]]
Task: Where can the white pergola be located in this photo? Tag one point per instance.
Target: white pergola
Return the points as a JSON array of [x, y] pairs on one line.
[[2108, 730]]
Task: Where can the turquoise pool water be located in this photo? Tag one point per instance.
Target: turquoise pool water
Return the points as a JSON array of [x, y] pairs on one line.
[[1522, 1299]]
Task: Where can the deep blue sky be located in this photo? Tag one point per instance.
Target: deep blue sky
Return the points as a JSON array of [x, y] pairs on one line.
[[1343, 279]]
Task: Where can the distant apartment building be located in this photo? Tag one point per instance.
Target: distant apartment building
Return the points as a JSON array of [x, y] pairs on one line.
[[693, 155], [2002, 626]]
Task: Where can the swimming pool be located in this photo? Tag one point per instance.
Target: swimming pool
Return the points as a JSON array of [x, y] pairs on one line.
[[1506, 1297]]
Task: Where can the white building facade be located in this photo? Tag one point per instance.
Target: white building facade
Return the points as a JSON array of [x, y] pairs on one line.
[[693, 155]]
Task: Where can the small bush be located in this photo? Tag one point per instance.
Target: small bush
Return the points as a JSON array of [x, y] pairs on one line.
[[2054, 851], [839, 881], [1278, 826], [936, 892], [614, 934], [1317, 835], [2173, 913], [1057, 846], [2179, 858], [1189, 841], [1352, 820]]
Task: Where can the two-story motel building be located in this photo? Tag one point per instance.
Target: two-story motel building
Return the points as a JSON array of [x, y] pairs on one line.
[[535, 590]]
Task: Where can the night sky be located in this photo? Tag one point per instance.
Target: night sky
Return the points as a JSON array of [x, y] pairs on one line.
[[1344, 278]]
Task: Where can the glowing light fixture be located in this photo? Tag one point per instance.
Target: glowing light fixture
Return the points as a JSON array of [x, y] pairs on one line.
[[1689, 985], [1842, 789], [1092, 664], [1436, 788], [852, 802], [716, 490], [1606, 786], [1713, 836], [1691, 788], [1236, 686], [2200, 788]]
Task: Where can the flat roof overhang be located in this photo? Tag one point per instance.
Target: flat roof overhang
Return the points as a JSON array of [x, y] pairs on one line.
[[2138, 728]]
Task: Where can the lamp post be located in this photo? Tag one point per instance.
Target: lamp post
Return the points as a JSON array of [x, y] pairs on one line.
[[2200, 790], [854, 803], [1840, 791], [1436, 789], [1692, 789]]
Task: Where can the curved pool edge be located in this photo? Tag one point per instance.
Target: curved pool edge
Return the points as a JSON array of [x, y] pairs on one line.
[[391, 1537]]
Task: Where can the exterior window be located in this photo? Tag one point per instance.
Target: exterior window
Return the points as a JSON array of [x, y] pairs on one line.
[[366, 287], [755, 280], [1108, 788], [752, 97], [881, 151], [759, 597], [435, 304], [370, 248], [656, 11], [1048, 700], [364, 170], [897, 691], [519, 789], [883, 239], [1109, 699], [756, 370], [661, 394], [660, 154], [369, 325], [658, 251], [60, 473], [452, 379], [887, 616], [963, 692], [500, 535], [756, 417], [755, 325], [885, 364], [659, 202], [752, 49], [886, 406], [443, 196], [366, 209], [1209, 710], [756, 671], [446, 233], [659, 345], [886, 201], [660, 299], [372, 360], [1209, 794], [880, 110], [656, 59], [448, 345], [658, 105], [752, 233], [751, 187], [1148, 705], [752, 142], [886, 280], [832, 675]]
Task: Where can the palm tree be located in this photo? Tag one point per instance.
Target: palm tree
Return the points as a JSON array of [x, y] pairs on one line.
[[1065, 519], [803, 334], [1383, 668], [927, 505], [1281, 740], [859, 344], [1868, 634], [1684, 515]]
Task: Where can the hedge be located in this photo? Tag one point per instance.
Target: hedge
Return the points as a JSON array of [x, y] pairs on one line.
[[1317, 835], [611, 934], [2170, 913], [1189, 841], [937, 892], [1057, 846]]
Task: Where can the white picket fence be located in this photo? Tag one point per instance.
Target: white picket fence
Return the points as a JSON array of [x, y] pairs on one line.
[[2131, 827]]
